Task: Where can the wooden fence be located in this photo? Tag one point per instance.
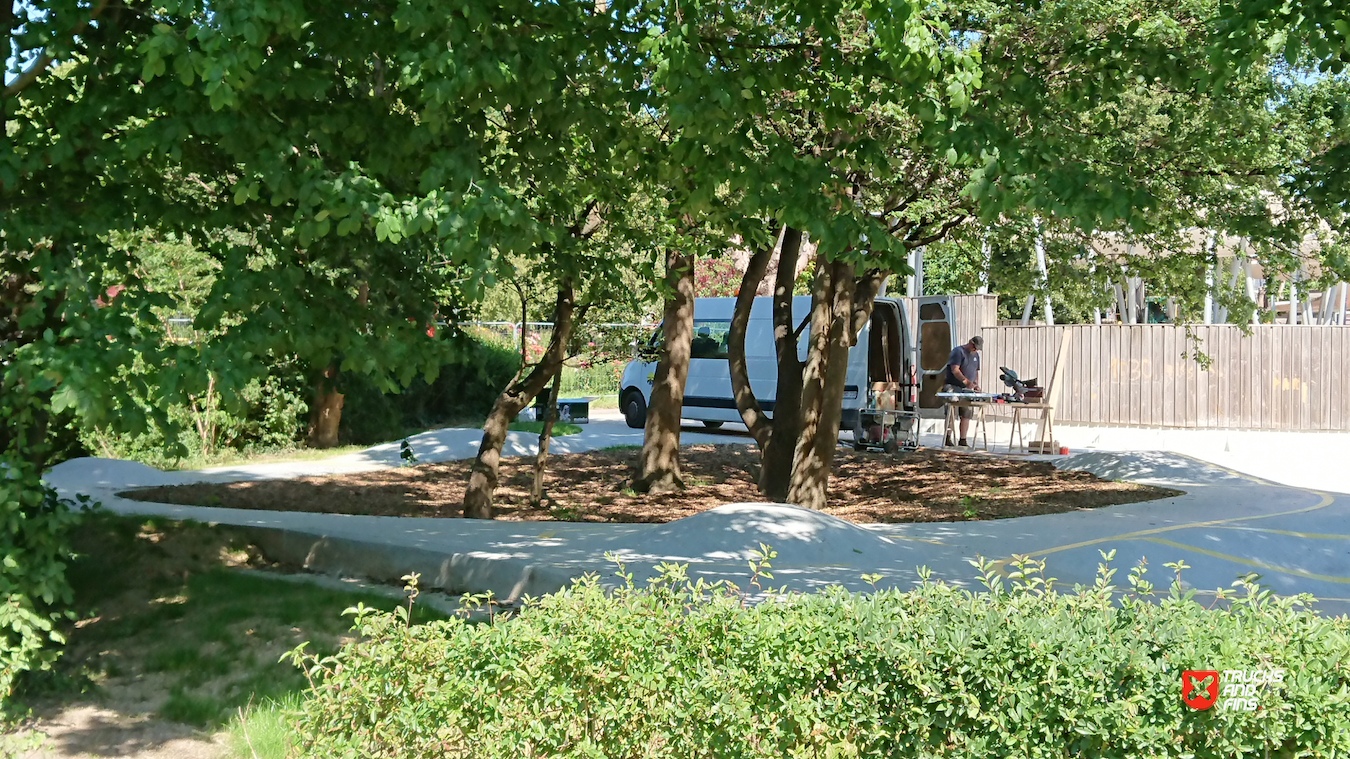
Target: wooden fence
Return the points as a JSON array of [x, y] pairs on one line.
[[1278, 378]]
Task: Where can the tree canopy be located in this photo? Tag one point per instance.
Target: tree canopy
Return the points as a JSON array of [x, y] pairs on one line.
[[351, 175]]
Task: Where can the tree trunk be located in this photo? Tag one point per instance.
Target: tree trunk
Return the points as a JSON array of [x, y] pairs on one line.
[[810, 470], [841, 307], [746, 403], [545, 436], [775, 472], [326, 417], [522, 390], [660, 470]]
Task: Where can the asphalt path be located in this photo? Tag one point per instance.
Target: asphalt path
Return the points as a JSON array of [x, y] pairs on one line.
[[1228, 524]]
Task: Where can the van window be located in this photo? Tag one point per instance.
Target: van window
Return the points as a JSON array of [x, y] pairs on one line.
[[710, 338]]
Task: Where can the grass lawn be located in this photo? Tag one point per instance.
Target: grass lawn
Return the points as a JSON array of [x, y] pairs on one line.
[[559, 428], [232, 457], [180, 627]]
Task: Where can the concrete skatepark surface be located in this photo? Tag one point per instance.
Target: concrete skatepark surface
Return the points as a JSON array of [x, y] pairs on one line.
[[1228, 523]]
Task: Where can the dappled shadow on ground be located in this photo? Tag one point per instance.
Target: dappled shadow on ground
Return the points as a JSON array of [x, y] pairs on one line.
[[171, 637], [88, 731], [1152, 466], [923, 486]]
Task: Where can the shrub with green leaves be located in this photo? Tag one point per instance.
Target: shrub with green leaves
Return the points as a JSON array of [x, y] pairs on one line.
[[464, 389], [267, 413], [34, 548], [691, 670]]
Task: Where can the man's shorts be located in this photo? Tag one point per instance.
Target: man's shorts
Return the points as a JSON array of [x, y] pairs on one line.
[[965, 412]]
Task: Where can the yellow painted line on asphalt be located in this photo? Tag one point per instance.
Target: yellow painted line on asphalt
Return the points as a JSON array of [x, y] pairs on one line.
[[1253, 562], [1309, 535], [1326, 501]]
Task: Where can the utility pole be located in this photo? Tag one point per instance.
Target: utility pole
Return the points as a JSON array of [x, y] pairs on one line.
[[987, 265], [1045, 276]]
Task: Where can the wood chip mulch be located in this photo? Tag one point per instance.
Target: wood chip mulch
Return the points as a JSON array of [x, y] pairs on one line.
[[929, 485]]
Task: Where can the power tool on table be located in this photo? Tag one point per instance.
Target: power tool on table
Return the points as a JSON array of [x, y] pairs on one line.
[[1024, 391]]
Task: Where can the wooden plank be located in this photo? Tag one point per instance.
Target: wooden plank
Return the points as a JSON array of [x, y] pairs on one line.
[[1319, 389], [1053, 390], [1305, 347], [1243, 361], [1192, 400], [1273, 368], [1081, 370], [1148, 390], [1300, 370], [1286, 414], [1208, 381], [1244, 364], [1222, 376], [1237, 375], [1341, 345], [1114, 385], [1336, 378], [1316, 386], [1167, 378], [1269, 371], [1094, 357], [1201, 383], [1181, 382], [1313, 348], [1142, 342], [1218, 377], [1156, 335], [1127, 389], [1269, 367], [1130, 409]]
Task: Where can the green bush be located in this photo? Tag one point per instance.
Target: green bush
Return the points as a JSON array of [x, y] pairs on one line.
[[270, 413], [464, 390], [680, 670], [35, 547]]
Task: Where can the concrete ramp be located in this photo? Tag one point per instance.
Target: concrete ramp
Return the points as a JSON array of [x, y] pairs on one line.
[[89, 474], [1151, 467]]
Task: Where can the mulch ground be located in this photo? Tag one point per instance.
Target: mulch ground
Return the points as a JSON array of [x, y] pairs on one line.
[[929, 485]]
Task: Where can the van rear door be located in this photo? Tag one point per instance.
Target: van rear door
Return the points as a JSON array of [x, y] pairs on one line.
[[935, 336]]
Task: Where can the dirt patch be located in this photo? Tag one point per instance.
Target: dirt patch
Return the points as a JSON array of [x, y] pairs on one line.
[[929, 485], [77, 732], [170, 639]]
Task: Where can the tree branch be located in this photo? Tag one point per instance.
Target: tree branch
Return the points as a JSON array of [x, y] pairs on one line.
[[45, 61]]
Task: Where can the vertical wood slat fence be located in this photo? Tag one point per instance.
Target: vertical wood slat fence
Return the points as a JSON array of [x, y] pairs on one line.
[[1280, 377]]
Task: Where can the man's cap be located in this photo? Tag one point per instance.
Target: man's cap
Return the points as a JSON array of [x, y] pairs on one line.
[[977, 341]]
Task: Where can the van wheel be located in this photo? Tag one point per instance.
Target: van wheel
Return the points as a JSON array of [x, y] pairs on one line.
[[712, 425], [635, 410]]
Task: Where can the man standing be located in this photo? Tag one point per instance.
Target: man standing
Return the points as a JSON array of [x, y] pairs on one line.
[[963, 376]]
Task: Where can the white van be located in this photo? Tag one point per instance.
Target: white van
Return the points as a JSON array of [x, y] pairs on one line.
[[883, 354]]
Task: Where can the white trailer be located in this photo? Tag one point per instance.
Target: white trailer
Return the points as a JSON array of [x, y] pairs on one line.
[[882, 357]]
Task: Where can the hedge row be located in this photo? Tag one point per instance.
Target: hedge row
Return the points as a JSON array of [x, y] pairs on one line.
[[680, 670], [465, 389]]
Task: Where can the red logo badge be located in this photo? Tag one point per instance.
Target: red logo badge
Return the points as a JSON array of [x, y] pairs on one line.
[[1200, 688]]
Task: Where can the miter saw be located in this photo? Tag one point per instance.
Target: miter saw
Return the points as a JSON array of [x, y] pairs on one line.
[[1024, 391]]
